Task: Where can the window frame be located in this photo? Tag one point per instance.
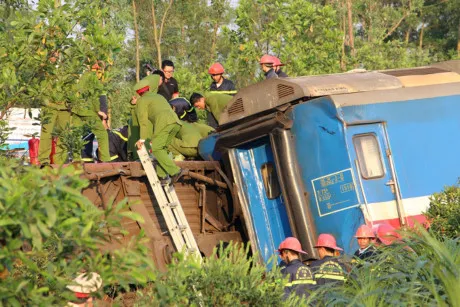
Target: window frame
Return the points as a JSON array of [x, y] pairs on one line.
[[270, 186], [360, 163]]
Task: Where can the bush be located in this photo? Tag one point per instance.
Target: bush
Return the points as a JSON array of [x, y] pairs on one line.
[[444, 212], [419, 271], [50, 233], [233, 279]]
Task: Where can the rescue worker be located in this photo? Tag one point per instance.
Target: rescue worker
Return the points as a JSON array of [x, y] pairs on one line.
[[91, 115], [266, 63], [277, 67], [365, 237], [87, 151], [54, 117], [220, 84], [387, 235], [118, 143], [328, 269], [213, 103], [153, 111], [186, 112], [83, 287], [133, 129], [184, 109], [169, 89], [301, 278], [186, 141]]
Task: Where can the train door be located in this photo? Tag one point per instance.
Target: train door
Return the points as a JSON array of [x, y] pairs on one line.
[[371, 157], [260, 195]]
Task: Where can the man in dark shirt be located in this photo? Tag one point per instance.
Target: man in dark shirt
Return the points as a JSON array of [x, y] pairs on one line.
[[277, 67], [118, 144], [169, 89], [266, 63], [365, 237], [220, 84], [328, 269], [301, 279]]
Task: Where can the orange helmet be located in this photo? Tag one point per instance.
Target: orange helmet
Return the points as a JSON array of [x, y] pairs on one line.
[[364, 231], [266, 59], [291, 243], [327, 240], [387, 234], [216, 69], [277, 62]]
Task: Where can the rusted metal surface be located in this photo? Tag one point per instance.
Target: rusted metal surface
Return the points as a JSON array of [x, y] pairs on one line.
[[208, 180], [209, 219]]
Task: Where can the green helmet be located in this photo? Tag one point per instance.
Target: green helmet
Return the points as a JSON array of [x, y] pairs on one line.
[[141, 84], [153, 82]]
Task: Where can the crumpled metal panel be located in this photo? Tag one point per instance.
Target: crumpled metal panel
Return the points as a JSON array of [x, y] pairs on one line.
[[272, 93], [120, 184]]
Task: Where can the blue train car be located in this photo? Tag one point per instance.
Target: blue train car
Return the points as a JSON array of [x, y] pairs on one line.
[[324, 154]]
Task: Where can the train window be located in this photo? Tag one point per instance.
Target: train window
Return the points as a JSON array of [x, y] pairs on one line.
[[272, 186], [369, 156]]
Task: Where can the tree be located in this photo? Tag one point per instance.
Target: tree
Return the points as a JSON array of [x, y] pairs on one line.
[[304, 35], [50, 233]]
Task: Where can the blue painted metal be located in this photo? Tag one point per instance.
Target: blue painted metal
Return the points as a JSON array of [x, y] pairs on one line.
[[375, 189], [425, 152], [206, 148], [322, 154], [269, 216], [422, 137]]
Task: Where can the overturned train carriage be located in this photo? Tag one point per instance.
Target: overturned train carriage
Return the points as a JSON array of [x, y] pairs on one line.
[[324, 154], [207, 204]]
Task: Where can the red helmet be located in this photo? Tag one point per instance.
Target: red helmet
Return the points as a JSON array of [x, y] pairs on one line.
[[277, 62], [387, 234], [364, 231], [266, 59], [291, 243], [216, 69], [327, 240]]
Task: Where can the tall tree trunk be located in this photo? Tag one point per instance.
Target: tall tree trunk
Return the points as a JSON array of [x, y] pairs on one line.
[[406, 40], [214, 42], [136, 35], [351, 39], [343, 64], [422, 30], [157, 35], [458, 40]]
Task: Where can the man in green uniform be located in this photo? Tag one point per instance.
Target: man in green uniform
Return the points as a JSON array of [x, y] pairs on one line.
[[186, 141], [55, 116], [155, 109], [89, 88], [214, 103]]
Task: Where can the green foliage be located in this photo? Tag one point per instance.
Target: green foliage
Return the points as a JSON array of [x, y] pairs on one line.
[[420, 271], [50, 232], [232, 279], [444, 212], [5, 131]]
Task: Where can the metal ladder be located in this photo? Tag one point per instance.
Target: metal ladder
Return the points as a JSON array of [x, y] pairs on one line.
[[171, 208]]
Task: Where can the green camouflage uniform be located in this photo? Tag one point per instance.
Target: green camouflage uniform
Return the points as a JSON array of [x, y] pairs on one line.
[[55, 117], [154, 110], [90, 88], [186, 141], [216, 103]]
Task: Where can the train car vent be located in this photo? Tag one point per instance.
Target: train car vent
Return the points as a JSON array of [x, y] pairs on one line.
[[236, 108], [284, 90]]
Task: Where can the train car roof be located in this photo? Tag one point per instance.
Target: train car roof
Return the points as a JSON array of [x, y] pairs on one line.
[[282, 92]]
